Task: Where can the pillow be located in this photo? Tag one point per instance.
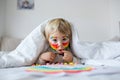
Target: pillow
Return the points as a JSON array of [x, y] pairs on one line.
[[9, 43], [116, 38]]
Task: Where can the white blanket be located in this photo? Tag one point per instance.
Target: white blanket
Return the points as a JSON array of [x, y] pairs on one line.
[[28, 50], [31, 47], [98, 53], [99, 73]]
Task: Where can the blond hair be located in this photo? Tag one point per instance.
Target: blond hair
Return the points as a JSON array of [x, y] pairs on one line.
[[58, 24]]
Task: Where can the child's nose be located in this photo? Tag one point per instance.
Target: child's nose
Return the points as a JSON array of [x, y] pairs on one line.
[[60, 45]]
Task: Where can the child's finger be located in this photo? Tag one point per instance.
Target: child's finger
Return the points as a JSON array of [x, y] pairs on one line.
[[65, 56], [52, 57]]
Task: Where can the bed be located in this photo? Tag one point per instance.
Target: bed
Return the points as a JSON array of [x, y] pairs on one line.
[[103, 57], [100, 73]]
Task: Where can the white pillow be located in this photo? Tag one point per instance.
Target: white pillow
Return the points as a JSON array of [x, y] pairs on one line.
[[9, 43], [116, 38]]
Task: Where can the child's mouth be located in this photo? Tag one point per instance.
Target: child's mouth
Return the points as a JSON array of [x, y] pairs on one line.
[[61, 52]]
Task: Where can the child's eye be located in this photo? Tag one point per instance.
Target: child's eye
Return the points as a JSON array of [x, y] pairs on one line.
[[55, 40], [64, 39]]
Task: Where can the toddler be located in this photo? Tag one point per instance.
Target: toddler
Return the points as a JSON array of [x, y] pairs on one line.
[[58, 34]]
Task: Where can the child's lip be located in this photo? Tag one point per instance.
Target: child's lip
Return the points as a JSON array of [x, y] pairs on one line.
[[61, 50]]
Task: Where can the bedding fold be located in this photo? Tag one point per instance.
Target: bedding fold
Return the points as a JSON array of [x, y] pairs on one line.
[[27, 52]]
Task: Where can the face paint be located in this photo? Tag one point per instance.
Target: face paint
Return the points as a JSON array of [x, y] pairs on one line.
[[65, 41], [54, 46], [55, 42], [66, 44]]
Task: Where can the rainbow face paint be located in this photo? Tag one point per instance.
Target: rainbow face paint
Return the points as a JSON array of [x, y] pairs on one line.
[[56, 42]]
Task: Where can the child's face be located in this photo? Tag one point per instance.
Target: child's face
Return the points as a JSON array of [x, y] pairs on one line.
[[58, 41]]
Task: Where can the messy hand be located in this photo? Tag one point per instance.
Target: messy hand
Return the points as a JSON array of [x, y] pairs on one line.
[[48, 56], [67, 56]]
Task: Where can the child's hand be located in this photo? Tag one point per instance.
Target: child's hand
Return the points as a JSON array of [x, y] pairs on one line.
[[68, 57], [48, 56]]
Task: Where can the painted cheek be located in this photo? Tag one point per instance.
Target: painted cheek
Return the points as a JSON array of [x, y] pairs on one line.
[[54, 46], [66, 44]]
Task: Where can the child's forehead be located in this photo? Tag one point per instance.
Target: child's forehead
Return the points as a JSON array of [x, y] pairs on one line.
[[58, 34]]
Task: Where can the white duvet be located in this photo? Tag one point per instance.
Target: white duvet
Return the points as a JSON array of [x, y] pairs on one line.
[[100, 73], [103, 53]]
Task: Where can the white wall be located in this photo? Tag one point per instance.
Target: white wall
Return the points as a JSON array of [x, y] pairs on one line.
[[95, 19], [115, 16], [2, 16]]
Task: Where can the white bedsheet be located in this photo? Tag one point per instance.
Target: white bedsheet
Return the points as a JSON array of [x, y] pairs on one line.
[[100, 73]]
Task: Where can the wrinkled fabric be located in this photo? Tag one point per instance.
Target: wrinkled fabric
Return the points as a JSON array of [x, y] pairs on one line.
[[93, 53]]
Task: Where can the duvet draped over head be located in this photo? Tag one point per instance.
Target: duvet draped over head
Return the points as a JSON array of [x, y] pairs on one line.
[[27, 52]]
